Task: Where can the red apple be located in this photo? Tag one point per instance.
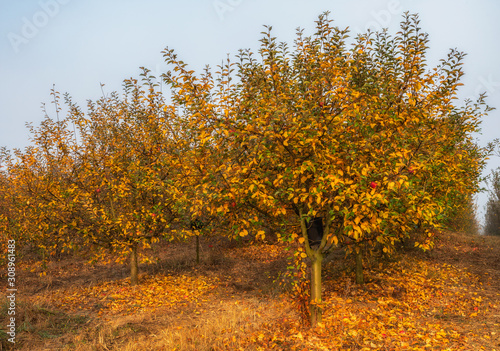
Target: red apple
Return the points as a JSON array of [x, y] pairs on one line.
[[321, 104], [411, 170], [373, 185], [233, 204], [97, 190]]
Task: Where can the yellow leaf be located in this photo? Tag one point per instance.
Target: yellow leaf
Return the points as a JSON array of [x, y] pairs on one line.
[[335, 240], [301, 240], [303, 255]]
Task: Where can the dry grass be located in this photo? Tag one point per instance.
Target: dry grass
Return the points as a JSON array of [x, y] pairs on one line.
[[42, 323], [220, 328]]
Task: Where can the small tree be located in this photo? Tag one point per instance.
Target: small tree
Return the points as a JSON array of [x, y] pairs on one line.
[[492, 217], [129, 160], [109, 185], [337, 145], [38, 189], [365, 138]]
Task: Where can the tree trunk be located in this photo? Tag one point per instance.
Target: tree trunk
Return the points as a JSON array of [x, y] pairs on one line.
[[315, 307], [134, 266], [360, 279], [197, 249]]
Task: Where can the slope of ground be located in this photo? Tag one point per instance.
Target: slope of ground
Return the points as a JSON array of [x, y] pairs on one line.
[[448, 299]]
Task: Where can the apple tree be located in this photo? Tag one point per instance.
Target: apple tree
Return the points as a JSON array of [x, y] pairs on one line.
[[356, 142]]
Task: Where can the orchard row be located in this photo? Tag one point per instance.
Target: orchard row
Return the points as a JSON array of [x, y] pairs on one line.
[[336, 142]]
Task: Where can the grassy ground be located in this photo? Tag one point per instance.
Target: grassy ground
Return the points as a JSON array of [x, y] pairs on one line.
[[448, 299]]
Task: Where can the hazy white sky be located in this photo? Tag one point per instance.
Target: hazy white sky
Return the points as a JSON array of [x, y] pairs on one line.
[[77, 44]]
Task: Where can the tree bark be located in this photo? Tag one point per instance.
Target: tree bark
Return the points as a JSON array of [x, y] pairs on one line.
[[134, 266], [315, 307], [360, 279]]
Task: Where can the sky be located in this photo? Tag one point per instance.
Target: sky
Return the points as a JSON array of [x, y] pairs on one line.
[[79, 45]]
